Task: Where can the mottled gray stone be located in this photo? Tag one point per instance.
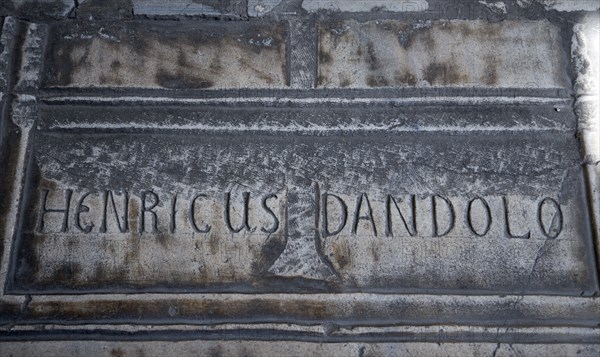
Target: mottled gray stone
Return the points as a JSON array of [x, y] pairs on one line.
[[167, 55], [91, 10], [366, 5], [7, 44], [257, 348], [29, 74], [386, 53], [357, 182], [33, 9], [188, 7], [570, 5], [257, 8], [585, 52], [306, 200]]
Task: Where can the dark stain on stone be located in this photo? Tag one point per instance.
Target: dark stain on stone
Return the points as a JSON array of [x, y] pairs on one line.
[[133, 215], [490, 76], [181, 59], [371, 57], [28, 265], [377, 81], [36, 10], [180, 80], [9, 141], [113, 77], [244, 310], [345, 81], [117, 352], [213, 243], [442, 74], [341, 254], [163, 239], [270, 252], [66, 274], [67, 57], [465, 29], [324, 56], [215, 65], [405, 78], [269, 79], [321, 80], [215, 351], [375, 253]]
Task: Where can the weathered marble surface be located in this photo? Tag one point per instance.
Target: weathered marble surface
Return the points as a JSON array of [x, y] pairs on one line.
[[479, 213], [167, 55], [384, 53], [353, 180]]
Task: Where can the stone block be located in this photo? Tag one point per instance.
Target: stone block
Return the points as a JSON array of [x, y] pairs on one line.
[[167, 55], [258, 8], [360, 181], [37, 9], [189, 7], [389, 53], [569, 5], [366, 5], [231, 200], [93, 10], [7, 45]]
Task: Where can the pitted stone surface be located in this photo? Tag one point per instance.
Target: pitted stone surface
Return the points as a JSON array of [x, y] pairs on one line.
[[414, 210], [188, 7], [258, 8], [169, 55], [329, 174], [366, 5], [385, 53], [570, 5], [38, 8]]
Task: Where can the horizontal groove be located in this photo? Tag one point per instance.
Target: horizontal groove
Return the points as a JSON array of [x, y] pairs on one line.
[[310, 130], [307, 101], [440, 335]]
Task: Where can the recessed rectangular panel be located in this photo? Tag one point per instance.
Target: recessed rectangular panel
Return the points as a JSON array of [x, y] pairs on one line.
[[217, 199]]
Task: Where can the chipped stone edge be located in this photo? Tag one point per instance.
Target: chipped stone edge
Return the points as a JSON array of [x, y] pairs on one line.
[[11, 217], [510, 311], [260, 8], [32, 58], [276, 348], [140, 8], [7, 40], [365, 5], [570, 5], [397, 334], [587, 108]]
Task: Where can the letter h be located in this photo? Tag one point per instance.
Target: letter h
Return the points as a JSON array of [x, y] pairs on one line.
[[44, 210]]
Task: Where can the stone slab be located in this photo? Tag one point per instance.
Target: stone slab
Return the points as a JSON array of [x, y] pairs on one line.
[[569, 5], [262, 200], [366, 6], [258, 217], [7, 44], [259, 348], [37, 8], [188, 7], [94, 10], [166, 55], [257, 8], [390, 53]]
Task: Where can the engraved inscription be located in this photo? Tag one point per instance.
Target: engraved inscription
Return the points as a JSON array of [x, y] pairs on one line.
[[439, 210], [81, 218], [441, 213], [205, 210]]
